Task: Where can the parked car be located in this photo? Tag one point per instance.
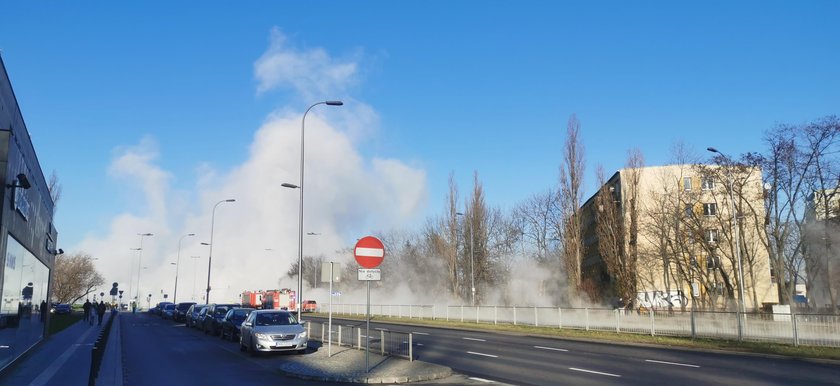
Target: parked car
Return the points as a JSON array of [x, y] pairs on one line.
[[168, 311], [61, 308], [212, 321], [309, 306], [232, 322], [195, 321], [272, 330], [158, 309], [181, 309]]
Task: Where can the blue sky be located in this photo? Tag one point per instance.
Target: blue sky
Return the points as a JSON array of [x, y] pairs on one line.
[[430, 88]]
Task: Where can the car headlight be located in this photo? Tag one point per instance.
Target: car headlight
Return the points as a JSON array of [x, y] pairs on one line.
[[302, 335], [262, 336]]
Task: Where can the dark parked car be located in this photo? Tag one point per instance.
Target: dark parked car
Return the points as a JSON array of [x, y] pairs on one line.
[[61, 308], [168, 311], [232, 321], [181, 309], [158, 309], [197, 316], [212, 321]]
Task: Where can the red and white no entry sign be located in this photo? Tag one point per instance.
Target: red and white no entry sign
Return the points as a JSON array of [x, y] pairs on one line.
[[369, 252]]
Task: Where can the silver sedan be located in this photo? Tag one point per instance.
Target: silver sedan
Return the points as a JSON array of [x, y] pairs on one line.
[[272, 330]]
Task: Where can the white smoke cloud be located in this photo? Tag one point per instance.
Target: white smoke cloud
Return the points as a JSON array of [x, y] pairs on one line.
[[345, 194], [310, 72]]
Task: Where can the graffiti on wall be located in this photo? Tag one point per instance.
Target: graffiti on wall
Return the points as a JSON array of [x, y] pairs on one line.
[[661, 299]]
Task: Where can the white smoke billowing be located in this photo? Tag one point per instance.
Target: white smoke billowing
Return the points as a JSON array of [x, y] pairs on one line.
[[255, 239]]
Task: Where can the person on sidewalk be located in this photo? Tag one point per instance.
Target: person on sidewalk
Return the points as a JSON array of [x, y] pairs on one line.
[[100, 311], [87, 307]]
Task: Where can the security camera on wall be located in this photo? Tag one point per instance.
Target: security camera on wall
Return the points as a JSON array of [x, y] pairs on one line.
[[22, 182]]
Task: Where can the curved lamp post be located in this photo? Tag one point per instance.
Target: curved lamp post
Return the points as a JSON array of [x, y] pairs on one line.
[[178, 266], [299, 295], [210, 257], [735, 234]]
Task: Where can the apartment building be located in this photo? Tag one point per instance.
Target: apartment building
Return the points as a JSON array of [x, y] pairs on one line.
[[672, 239], [822, 249]]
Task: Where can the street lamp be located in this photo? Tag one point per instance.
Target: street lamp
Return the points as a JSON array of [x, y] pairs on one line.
[[140, 260], [195, 270], [472, 264], [178, 266], [735, 229], [131, 277], [299, 296], [210, 257]]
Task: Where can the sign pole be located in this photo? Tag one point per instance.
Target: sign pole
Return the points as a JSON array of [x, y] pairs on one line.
[[329, 336], [367, 333]]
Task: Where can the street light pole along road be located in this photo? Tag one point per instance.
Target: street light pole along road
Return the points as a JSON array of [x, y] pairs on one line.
[[178, 266], [210, 256], [736, 235], [299, 295], [139, 263]]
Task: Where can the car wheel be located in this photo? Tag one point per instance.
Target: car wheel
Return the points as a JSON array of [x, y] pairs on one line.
[[253, 350]]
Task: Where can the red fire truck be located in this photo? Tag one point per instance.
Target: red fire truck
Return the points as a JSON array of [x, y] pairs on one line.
[[280, 299]]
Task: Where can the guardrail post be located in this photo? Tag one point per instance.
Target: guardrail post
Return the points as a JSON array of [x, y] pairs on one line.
[[447, 312], [514, 315], [560, 317], [617, 321], [382, 342], [795, 330], [477, 312], [536, 317], [339, 335], [693, 323], [495, 314], [359, 338], [322, 332], [586, 315], [652, 323], [462, 313], [410, 347]]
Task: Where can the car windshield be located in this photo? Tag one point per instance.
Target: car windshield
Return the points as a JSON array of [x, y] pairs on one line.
[[275, 319], [183, 307]]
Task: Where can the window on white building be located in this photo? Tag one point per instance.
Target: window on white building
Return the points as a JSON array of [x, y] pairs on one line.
[[708, 183], [710, 209], [687, 183]]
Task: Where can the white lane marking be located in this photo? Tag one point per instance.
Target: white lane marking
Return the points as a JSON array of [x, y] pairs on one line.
[[370, 252], [670, 363], [419, 344], [594, 372], [475, 339], [47, 375], [484, 355], [480, 380], [551, 348], [420, 333]]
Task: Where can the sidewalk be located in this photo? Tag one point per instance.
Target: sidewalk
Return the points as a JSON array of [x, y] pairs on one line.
[[65, 358]]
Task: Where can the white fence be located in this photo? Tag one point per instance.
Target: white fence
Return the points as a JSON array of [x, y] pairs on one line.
[[796, 329]]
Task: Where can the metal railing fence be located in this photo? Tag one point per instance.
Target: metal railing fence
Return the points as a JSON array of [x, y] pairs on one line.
[[382, 341], [787, 328]]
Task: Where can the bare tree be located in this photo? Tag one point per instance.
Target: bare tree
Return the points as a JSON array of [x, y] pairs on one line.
[[55, 189], [571, 181], [536, 219], [74, 278]]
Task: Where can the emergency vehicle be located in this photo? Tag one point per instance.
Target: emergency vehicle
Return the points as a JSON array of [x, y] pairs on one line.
[[280, 299]]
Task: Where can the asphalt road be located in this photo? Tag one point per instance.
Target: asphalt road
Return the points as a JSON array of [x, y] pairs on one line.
[[160, 352], [517, 359]]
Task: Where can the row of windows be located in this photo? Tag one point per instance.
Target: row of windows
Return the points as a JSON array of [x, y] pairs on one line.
[[706, 183], [709, 209]]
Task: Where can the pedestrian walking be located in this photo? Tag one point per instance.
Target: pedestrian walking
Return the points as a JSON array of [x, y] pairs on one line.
[[87, 307], [100, 311]]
